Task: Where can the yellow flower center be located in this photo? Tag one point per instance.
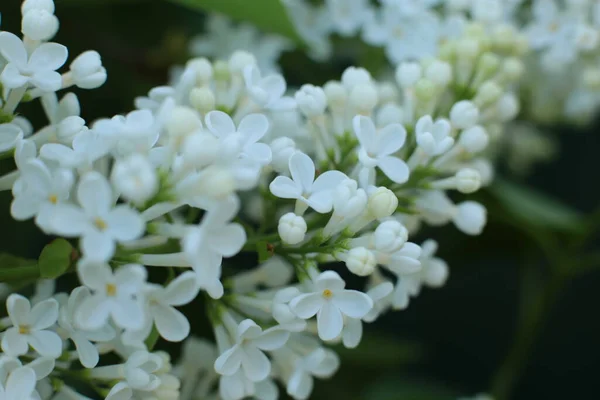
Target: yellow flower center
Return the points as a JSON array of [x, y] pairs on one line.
[[111, 289], [100, 224], [24, 329], [53, 199], [327, 293]]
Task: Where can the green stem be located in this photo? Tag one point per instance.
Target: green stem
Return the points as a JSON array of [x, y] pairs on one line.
[[24, 272]]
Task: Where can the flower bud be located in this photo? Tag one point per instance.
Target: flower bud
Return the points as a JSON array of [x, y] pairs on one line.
[[203, 69], [361, 261], [387, 92], [200, 149], [46, 5], [311, 100], [135, 178], [485, 169], [390, 236], [363, 98], [216, 182], [39, 24], [353, 76], [282, 149], [408, 74], [291, 228], [439, 72], [467, 49], [348, 200], [464, 114], [202, 99], [507, 107], [425, 90], [474, 139], [436, 273], [513, 69], [470, 217], [221, 71], [468, 180], [183, 121], [382, 203], [239, 60], [488, 93], [488, 64], [69, 127], [389, 114], [336, 94], [87, 70]]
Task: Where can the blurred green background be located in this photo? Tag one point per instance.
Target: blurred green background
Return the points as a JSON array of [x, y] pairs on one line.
[[449, 342]]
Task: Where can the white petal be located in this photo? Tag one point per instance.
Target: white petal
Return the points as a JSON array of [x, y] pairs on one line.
[[86, 350], [330, 321], [60, 153], [13, 49], [68, 220], [48, 56], [394, 168], [321, 202], [14, 343], [248, 329], [21, 383], [391, 139], [253, 127], [130, 278], [18, 308], [352, 303], [12, 78], [352, 333], [219, 123], [229, 362], [300, 385], [228, 240], [120, 392], [328, 181], [94, 275], [307, 305], [47, 81], [381, 291], [128, 314], [365, 131], [181, 290], [259, 152], [44, 314], [42, 366], [24, 207], [124, 223], [330, 280], [10, 137], [274, 85], [272, 339], [255, 364], [302, 169], [94, 194], [172, 325], [98, 246], [285, 188], [46, 343], [93, 313]]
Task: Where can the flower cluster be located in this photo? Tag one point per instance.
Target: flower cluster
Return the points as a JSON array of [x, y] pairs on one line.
[[314, 184]]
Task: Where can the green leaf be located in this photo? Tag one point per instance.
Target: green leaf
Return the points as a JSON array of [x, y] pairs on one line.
[[268, 15], [13, 268], [535, 208], [391, 351], [55, 259], [392, 388]]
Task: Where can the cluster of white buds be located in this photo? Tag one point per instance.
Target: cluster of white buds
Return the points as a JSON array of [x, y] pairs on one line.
[[222, 161]]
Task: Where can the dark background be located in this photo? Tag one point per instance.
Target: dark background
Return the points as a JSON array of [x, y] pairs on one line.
[[449, 342]]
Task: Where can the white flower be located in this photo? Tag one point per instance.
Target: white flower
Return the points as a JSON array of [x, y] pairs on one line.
[[249, 131], [360, 261], [267, 92], [113, 295], [141, 369], [433, 138], [316, 193], [377, 147], [291, 228], [283, 149], [87, 351], [30, 327], [88, 146], [247, 352], [39, 24], [353, 326], [347, 15], [10, 135], [205, 245], [464, 114], [39, 190], [283, 314], [311, 100], [98, 223], [171, 324], [330, 302], [38, 69], [20, 385], [470, 217], [135, 178], [87, 71]]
